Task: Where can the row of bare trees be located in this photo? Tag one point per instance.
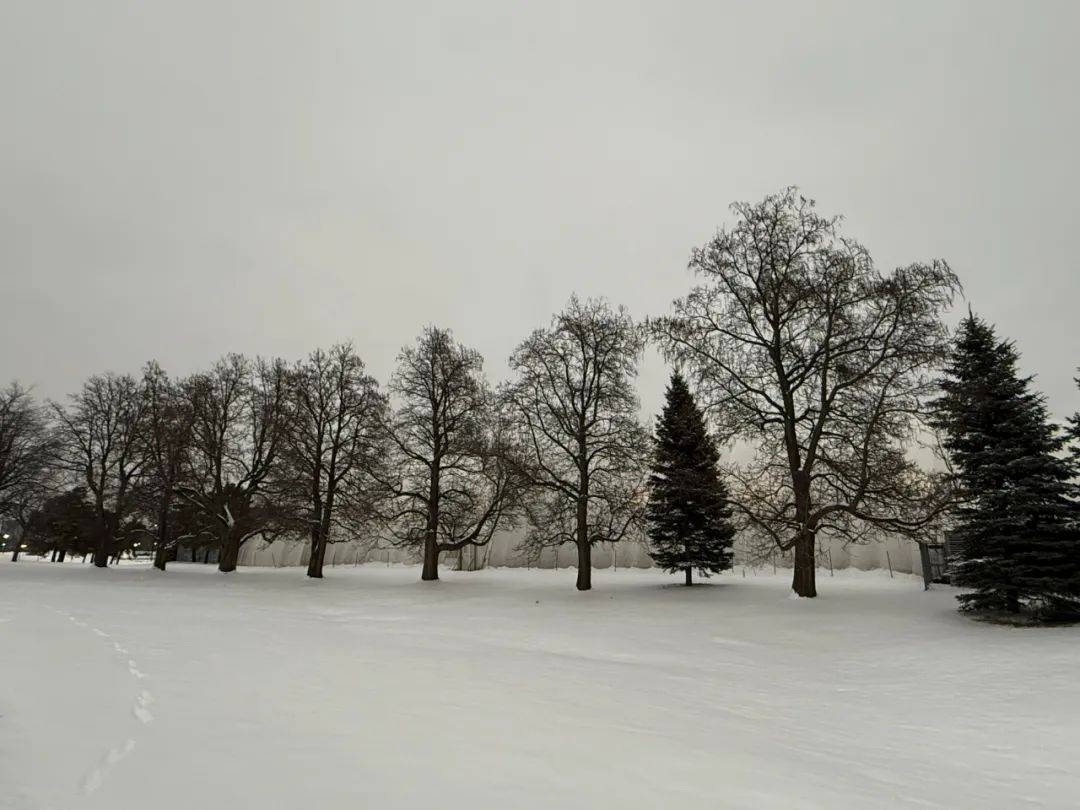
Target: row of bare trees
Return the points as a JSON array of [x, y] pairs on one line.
[[797, 345], [259, 448], [559, 447]]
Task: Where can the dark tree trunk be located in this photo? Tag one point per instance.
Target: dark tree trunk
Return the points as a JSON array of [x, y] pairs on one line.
[[318, 553], [431, 560], [53, 559], [689, 576], [584, 549], [161, 552], [62, 555], [15, 553], [1012, 601], [430, 572], [804, 578], [230, 553], [584, 566], [101, 550]]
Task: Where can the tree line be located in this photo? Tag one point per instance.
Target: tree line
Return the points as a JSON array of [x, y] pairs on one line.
[[791, 341], [256, 447]]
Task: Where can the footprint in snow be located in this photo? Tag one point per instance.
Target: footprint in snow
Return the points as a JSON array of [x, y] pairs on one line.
[[95, 778], [140, 709]]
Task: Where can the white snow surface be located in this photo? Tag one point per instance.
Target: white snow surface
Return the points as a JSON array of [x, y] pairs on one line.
[[129, 688]]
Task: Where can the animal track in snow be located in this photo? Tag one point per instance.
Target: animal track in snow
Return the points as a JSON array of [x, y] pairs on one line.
[[140, 710], [143, 700], [96, 776]]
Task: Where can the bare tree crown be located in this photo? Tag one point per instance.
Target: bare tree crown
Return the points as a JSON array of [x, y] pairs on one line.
[[796, 342]]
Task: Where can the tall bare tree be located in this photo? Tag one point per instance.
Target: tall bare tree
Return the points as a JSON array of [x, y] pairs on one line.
[[458, 481], [576, 407], [797, 343], [240, 415], [25, 450], [335, 445], [100, 444], [167, 442]]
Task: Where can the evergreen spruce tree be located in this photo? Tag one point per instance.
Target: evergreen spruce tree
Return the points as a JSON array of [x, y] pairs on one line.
[[1074, 431], [688, 515], [1017, 524]]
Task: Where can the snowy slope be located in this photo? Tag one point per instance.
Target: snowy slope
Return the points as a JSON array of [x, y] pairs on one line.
[[127, 688]]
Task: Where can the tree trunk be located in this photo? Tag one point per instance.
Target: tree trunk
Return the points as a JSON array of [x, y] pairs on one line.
[[584, 549], [53, 559], [431, 560], [230, 552], [15, 553], [101, 550], [804, 579], [63, 553], [1012, 601], [430, 573], [161, 551], [584, 566], [318, 553], [689, 576]]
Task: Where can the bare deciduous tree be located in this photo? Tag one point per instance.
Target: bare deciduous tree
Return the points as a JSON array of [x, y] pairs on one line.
[[25, 449], [335, 445], [100, 445], [169, 420], [798, 344], [458, 481], [240, 413], [576, 408]]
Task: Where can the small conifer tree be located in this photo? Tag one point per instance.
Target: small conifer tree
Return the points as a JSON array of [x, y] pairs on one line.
[[689, 518]]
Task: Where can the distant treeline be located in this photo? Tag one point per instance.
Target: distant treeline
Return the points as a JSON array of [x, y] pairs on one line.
[[791, 341]]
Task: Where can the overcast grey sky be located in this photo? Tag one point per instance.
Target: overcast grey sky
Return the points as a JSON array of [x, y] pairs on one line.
[[182, 179]]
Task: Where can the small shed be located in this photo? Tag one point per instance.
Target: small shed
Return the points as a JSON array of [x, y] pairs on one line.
[[938, 558], [935, 563]]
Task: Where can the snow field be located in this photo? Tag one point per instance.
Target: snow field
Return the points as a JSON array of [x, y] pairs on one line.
[[129, 688]]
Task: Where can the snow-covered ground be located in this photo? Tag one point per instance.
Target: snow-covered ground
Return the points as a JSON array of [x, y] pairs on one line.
[[127, 688]]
